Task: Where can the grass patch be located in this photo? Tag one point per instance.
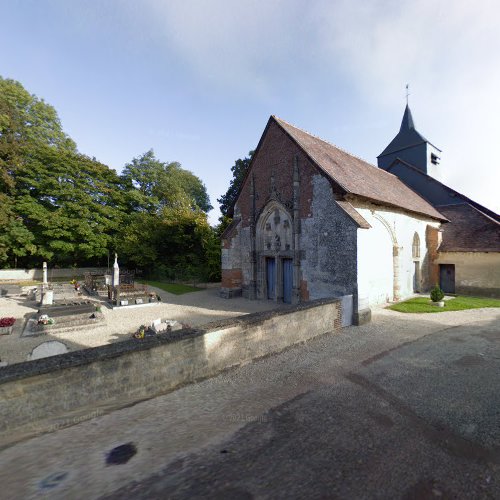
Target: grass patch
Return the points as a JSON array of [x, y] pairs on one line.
[[459, 303], [175, 288]]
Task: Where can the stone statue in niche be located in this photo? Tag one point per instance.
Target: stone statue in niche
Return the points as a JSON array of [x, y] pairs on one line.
[[268, 226], [277, 218], [277, 242]]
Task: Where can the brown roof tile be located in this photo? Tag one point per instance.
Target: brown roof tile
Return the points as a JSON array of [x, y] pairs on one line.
[[469, 230], [358, 177]]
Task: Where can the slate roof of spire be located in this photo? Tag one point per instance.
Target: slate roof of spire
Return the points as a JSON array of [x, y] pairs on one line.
[[356, 176], [406, 137]]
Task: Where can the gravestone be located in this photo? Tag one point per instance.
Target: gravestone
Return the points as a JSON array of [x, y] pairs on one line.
[[46, 349]]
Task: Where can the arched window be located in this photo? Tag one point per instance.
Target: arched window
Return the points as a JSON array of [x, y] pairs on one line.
[[416, 247]]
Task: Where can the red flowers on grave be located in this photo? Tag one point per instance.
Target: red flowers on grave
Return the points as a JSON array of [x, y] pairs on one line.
[[7, 322]]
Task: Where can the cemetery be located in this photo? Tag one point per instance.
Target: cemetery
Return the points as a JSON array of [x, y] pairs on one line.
[[100, 307]]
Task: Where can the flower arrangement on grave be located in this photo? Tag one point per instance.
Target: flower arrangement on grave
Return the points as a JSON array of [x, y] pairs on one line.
[[6, 322], [139, 334], [45, 320]]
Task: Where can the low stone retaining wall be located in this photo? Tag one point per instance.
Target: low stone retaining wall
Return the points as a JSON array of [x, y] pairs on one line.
[[46, 394], [37, 274]]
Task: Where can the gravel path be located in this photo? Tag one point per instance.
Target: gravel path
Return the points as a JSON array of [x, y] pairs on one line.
[[191, 426], [194, 309]]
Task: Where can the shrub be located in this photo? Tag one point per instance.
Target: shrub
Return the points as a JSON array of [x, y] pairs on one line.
[[437, 294], [7, 321]]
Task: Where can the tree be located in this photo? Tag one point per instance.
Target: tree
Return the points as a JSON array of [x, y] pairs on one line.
[[239, 170], [71, 204], [158, 185], [175, 244], [25, 121], [24, 118]]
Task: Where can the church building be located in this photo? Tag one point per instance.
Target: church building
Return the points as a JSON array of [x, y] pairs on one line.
[[313, 221], [467, 259]]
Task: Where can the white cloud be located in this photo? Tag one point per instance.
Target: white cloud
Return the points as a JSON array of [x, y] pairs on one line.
[[229, 43], [446, 50]]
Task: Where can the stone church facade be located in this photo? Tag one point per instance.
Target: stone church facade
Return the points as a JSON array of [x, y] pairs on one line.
[[312, 221]]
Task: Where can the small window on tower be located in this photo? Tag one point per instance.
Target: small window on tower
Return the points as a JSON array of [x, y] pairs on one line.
[[435, 159]]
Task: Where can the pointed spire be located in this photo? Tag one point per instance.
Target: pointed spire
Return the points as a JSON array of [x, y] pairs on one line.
[[407, 123]]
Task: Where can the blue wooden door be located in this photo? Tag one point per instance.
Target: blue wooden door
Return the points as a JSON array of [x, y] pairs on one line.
[[271, 277], [287, 280]]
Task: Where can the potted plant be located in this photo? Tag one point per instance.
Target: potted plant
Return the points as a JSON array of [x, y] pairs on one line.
[[437, 296], [6, 325]]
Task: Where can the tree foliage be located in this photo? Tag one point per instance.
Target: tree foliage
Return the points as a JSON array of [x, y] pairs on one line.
[[239, 170], [61, 206], [155, 185]]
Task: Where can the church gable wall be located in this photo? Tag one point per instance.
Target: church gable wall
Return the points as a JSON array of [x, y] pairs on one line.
[[272, 170], [283, 177]]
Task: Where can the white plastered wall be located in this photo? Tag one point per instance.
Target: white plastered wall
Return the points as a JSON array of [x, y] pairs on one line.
[[392, 231]]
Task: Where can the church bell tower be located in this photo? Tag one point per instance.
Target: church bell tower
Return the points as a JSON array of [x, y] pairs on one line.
[[411, 147]]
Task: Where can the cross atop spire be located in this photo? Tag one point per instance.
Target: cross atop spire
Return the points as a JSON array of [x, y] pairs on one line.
[[407, 92]]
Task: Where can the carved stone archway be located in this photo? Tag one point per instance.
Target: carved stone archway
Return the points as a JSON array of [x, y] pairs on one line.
[[274, 244], [396, 292]]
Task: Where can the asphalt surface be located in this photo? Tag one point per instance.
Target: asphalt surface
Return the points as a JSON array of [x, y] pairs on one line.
[[419, 421], [405, 407]]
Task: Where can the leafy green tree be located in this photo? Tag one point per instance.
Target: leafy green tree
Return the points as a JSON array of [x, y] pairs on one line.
[[158, 185], [25, 121], [239, 170], [176, 244], [71, 204], [24, 118]]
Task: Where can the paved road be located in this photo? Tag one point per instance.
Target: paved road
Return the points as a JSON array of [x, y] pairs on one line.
[[406, 407]]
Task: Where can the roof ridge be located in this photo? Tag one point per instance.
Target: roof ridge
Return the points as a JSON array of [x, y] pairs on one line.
[[324, 140], [465, 203], [277, 118], [466, 199]]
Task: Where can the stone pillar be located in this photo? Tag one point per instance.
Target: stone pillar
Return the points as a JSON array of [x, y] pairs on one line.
[[395, 265], [45, 280], [296, 231], [116, 279], [252, 286], [433, 238]]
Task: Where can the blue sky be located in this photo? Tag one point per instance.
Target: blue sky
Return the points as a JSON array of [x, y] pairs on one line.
[[197, 80]]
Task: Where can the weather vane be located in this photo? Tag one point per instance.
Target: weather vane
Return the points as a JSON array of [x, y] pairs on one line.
[[407, 92]]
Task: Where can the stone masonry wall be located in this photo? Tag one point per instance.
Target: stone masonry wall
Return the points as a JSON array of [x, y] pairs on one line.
[[272, 178], [37, 396], [328, 246], [37, 274]]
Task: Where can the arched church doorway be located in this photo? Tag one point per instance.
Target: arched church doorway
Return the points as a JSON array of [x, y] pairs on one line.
[[274, 254]]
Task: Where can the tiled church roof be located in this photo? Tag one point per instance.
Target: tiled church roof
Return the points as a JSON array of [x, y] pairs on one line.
[[356, 176], [469, 230]]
